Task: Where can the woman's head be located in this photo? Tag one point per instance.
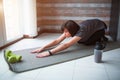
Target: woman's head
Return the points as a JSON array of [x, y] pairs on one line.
[[70, 27]]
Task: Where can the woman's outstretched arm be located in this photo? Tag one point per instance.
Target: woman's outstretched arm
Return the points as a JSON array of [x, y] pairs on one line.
[[53, 43], [59, 47], [66, 45]]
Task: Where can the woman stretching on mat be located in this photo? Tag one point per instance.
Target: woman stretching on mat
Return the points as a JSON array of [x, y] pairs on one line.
[[87, 32]]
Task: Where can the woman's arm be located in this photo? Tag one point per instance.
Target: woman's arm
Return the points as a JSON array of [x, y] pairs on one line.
[[53, 43], [65, 45], [59, 47]]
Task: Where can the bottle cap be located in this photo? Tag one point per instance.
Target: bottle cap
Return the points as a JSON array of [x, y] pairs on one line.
[[99, 46]]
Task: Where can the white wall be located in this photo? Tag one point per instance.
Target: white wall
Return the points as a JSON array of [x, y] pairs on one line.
[[29, 17]]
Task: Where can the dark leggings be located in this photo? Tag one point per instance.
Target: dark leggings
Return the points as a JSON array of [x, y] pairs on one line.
[[95, 37]]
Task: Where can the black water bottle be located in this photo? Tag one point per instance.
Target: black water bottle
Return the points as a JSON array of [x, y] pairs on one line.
[[98, 50]]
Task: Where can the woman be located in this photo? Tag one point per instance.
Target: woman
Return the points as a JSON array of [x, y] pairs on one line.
[[87, 32]]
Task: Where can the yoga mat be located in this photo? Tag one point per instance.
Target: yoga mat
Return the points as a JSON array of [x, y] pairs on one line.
[[30, 62]]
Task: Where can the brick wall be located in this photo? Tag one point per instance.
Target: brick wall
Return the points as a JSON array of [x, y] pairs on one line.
[[51, 14]]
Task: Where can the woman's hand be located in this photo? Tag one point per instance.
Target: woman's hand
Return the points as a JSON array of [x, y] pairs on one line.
[[38, 50], [44, 54]]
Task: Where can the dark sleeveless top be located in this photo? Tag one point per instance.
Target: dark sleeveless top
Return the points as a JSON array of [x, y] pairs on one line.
[[89, 27]]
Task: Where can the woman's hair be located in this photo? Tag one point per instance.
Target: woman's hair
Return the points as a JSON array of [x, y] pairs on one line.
[[71, 26]]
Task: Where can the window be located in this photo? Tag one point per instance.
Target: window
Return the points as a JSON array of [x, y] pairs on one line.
[[12, 19], [20, 18]]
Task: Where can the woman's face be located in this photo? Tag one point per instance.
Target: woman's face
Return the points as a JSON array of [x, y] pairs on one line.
[[67, 34]]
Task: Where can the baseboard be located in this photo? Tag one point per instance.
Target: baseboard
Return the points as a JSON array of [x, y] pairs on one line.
[[10, 43]]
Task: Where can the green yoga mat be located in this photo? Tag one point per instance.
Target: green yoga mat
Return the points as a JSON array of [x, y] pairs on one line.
[[30, 62]]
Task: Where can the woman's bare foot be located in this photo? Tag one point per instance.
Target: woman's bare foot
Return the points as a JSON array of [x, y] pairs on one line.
[[44, 54]]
